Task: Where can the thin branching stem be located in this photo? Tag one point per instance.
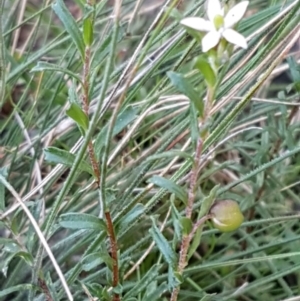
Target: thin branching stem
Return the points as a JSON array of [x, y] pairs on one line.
[[186, 238]]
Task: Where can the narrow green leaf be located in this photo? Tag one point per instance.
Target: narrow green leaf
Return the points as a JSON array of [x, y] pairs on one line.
[[174, 279], [73, 94], [95, 259], [176, 220], [170, 186], [184, 86], [75, 112], [59, 156], [209, 297], [126, 117], [163, 245], [205, 207], [186, 225], [70, 24], [170, 154], [156, 294], [118, 289], [144, 282], [81, 221], [131, 216], [10, 245], [204, 67], [123, 120], [4, 264], [44, 66], [295, 72], [3, 63], [195, 242], [17, 288], [88, 33], [208, 201], [4, 173], [51, 287]]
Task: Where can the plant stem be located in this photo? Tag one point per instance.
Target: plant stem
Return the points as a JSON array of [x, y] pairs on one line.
[[85, 104], [96, 169], [114, 253], [186, 239]]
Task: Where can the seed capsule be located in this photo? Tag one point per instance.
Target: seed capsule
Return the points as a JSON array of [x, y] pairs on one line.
[[226, 215]]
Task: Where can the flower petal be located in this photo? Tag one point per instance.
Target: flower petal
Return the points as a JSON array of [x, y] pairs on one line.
[[214, 9], [210, 40], [235, 14], [235, 38], [197, 24]]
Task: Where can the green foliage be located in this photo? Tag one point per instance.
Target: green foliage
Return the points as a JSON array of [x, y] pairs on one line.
[[59, 156], [76, 113], [147, 96], [184, 86], [81, 221], [170, 186], [70, 24]]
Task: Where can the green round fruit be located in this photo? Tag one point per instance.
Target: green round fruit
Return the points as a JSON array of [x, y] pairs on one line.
[[226, 215]]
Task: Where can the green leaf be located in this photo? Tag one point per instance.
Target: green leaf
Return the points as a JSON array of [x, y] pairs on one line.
[[51, 287], [4, 264], [205, 207], [81, 221], [186, 225], [59, 156], [208, 201], [73, 95], [143, 283], [174, 279], [131, 216], [170, 186], [118, 289], [295, 72], [17, 288], [70, 24], [184, 86], [205, 68], [44, 66], [95, 259], [176, 220], [10, 245], [170, 154], [123, 120], [4, 173], [88, 32], [156, 294], [209, 297], [175, 13], [163, 245], [195, 242], [75, 112], [294, 68]]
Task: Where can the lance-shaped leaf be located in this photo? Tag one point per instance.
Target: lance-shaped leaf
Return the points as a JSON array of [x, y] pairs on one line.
[[70, 24], [81, 221], [183, 85], [59, 156]]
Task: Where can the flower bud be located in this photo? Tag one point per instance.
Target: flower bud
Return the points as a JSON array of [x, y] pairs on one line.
[[226, 215]]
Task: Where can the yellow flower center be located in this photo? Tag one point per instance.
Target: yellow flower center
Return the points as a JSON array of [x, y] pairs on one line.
[[218, 21]]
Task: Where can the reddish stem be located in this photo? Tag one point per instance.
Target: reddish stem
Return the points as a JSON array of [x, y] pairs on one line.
[[114, 253]]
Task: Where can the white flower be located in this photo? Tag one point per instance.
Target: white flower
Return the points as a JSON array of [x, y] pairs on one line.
[[219, 26]]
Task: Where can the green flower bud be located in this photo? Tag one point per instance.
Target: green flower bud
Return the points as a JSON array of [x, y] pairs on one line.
[[226, 215]]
